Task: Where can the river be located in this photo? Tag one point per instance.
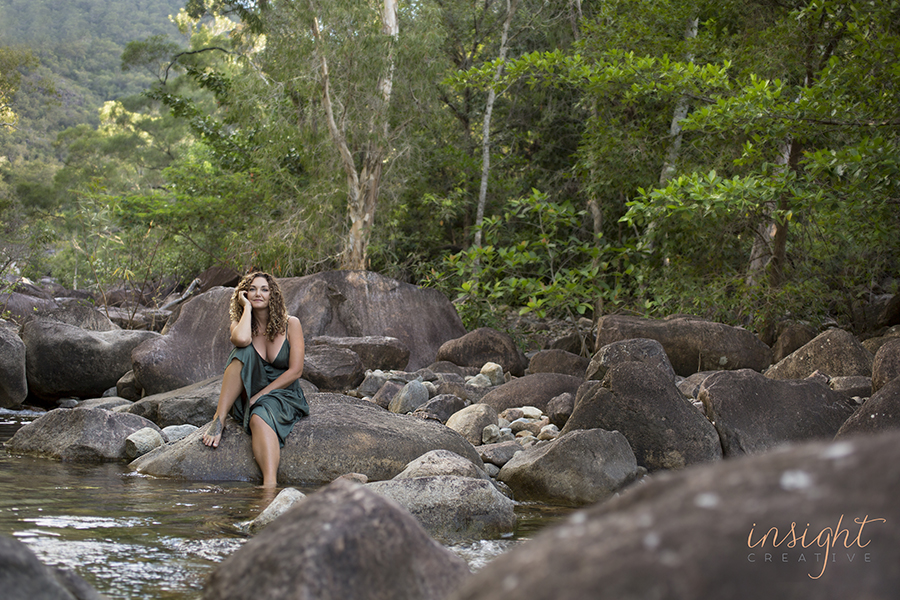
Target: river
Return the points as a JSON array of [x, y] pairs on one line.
[[133, 536]]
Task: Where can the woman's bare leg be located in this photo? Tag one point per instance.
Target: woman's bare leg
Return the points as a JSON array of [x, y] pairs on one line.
[[266, 450], [232, 388]]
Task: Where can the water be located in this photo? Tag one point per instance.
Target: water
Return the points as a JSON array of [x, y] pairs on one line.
[[133, 536]]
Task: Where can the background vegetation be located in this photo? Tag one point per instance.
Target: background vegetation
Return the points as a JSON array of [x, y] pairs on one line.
[[737, 160]]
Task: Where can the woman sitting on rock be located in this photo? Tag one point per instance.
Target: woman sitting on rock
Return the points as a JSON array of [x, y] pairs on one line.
[[263, 371]]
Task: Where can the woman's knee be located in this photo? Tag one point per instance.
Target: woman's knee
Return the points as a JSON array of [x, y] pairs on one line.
[[258, 425]]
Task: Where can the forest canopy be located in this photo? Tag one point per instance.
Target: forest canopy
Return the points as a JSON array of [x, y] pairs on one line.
[[736, 160]]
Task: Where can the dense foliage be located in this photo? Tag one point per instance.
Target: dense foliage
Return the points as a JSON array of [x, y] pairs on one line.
[[736, 160]]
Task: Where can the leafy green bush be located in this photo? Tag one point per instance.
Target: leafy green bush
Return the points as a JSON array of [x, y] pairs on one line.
[[538, 258]]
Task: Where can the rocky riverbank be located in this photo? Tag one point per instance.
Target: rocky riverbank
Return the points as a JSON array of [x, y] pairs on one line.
[[678, 436]]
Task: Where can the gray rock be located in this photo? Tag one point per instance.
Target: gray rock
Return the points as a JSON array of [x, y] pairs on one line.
[[372, 383], [451, 508], [790, 337], [481, 346], [636, 350], [836, 353], [335, 303], [13, 381], [500, 453], [532, 390], [641, 401], [490, 434], [441, 462], [375, 352], [886, 365], [283, 502], [344, 541], [690, 386], [173, 433], [340, 435], [471, 421], [691, 344], [441, 407], [143, 441], [558, 361], [82, 435], [753, 413], [387, 393], [560, 408], [852, 386], [494, 373], [194, 405], [702, 533], [25, 577], [128, 387], [411, 396], [106, 403], [578, 468], [23, 307], [447, 367], [332, 368], [879, 413], [63, 360]]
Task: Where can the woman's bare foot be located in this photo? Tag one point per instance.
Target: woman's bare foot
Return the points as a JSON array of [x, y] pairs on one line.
[[213, 433]]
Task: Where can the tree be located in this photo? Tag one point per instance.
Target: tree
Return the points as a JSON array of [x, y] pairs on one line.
[[13, 61]]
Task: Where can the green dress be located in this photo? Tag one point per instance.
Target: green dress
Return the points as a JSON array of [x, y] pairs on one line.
[[281, 409]]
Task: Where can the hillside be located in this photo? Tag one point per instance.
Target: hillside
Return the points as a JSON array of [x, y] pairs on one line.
[[79, 44]]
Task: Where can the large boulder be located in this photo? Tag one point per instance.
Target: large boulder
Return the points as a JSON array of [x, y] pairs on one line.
[[558, 361], [886, 366], [484, 345], [13, 382], [790, 337], [332, 368], [341, 435], [25, 577], [640, 401], [640, 350], [582, 467], [451, 508], [64, 360], [335, 303], [471, 421], [375, 351], [691, 344], [753, 413], [344, 541], [706, 532], [23, 307], [835, 353], [879, 413], [194, 404], [82, 435], [532, 390]]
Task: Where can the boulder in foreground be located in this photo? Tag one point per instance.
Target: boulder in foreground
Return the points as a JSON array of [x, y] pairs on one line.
[[342, 542], [705, 533]]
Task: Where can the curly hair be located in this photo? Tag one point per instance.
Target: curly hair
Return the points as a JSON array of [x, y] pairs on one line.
[[278, 316]]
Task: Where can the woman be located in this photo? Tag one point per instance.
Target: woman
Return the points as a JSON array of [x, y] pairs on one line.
[[263, 371]]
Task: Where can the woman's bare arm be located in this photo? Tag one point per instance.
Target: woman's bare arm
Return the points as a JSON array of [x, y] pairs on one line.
[[242, 330]]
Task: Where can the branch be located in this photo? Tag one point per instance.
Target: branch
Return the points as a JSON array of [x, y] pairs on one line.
[[180, 54]]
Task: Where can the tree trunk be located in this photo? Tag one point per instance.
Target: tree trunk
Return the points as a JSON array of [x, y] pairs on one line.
[[769, 251], [362, 185], [486, 125], [681, 111]]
